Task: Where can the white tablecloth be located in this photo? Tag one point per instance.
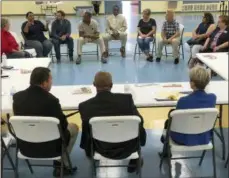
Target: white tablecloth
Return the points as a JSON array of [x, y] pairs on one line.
[[17, 78], [143, 95], [218, 62]]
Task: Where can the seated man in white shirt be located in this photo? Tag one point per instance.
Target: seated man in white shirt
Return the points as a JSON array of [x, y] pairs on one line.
[[89, 33], [116, 30]]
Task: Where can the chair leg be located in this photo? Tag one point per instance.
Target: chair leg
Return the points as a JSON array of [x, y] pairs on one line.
[[213, 158], [169, 161], [98, 52], [182, 48], [166, 54], [29, 165], [93, 168], [135, 51], [202, 157], [139, 167], [62, 168], [162, 155], [16, 166], [221, 132], [227, 161]]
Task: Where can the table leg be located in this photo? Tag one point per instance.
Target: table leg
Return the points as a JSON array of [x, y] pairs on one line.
[[221, 135]]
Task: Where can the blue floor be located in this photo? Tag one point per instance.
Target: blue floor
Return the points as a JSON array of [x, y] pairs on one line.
[[132, 71]]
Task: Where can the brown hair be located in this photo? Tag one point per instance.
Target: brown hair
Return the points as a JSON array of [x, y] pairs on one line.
[[224, 19], [61, 12]]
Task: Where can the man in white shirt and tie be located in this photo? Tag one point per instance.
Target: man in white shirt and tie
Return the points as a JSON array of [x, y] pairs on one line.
[[116, 30]]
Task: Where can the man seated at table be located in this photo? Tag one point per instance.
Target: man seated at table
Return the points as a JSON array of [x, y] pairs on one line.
[[199, 79], [89, 33], [37, 101], [106, 103], [33, 31], [170, 34], [60, 34], [9, 45], [116, 30]]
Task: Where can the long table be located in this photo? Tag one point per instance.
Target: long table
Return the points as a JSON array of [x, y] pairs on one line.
[[218, 62]]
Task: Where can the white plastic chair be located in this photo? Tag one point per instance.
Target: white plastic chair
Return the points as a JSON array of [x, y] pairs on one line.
[[115, 129], [190, 121], [181, 46], [37, 130]]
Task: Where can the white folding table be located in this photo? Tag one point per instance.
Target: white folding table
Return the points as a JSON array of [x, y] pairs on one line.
[[218, 62]]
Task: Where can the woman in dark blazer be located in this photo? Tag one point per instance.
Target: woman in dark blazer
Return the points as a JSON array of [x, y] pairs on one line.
[[218, 40]]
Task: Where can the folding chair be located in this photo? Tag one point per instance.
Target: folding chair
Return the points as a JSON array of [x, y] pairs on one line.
[[227, 161], [31, 132], [181, 46], [139, 52], [190, 121], [92, 52], [115, 129], [6, 142]]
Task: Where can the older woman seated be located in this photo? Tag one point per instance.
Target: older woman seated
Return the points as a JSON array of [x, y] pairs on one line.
[[9, 44], [199, 35], [218, 40], [146, 31], [199, 79]]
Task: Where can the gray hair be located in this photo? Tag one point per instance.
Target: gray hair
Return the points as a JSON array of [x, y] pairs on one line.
[[147, 11], [200, 77], [4, 22]]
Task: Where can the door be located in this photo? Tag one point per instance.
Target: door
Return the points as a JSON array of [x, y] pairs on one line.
[[109, 6]]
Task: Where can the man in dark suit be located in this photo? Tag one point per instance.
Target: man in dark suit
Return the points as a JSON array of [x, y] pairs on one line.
[[37, 101], [106, 103]]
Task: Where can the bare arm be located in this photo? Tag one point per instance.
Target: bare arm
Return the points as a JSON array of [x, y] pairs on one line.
[[224, 45], [206, 43], [210, 29], [194, 32], [153, 31]]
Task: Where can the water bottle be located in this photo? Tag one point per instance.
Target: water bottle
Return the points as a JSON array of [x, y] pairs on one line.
[[4, 58], [126, 88], [12, 92]]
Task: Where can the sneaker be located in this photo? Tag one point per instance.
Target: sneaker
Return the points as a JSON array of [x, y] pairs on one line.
[[158, 59], [104, 57], [104, 60], [123, 52], [176, 61], [67, 171], [150, 58], [78, 60]]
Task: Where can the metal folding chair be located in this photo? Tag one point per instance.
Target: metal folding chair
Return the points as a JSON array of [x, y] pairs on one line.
[[138, 51]]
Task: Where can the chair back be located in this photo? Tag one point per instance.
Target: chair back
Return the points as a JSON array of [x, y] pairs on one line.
[[35, 129], [115, 129], [181, 32], [193, 121]]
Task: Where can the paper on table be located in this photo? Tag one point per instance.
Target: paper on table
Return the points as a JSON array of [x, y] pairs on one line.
[[210, 56], [83, 90], [173, 96]]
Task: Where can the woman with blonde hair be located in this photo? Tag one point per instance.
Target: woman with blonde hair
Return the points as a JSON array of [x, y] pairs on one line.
[[146, 31]]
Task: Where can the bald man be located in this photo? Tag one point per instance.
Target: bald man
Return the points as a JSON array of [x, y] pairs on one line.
[[170, 34], [106, 103]]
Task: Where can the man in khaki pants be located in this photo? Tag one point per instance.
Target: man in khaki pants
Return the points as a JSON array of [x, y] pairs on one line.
[[116, 30], [89, 33], [170, 34]]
